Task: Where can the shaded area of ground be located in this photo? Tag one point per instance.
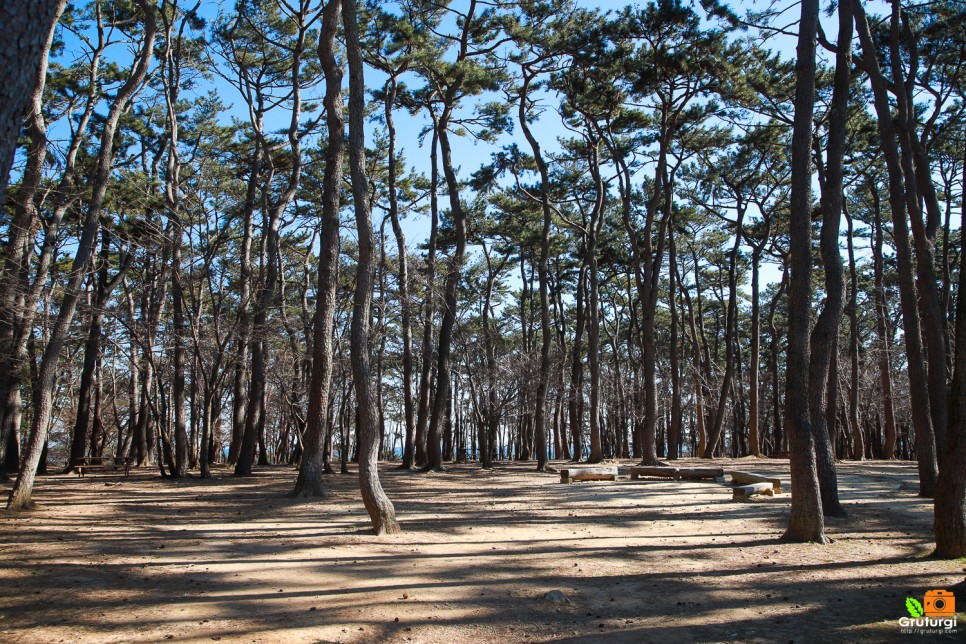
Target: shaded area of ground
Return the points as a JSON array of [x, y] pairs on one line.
[[111, 558]]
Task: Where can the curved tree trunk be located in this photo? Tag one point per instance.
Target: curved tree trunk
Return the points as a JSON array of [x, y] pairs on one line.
[[380, 508], [919, 191], [822, 384]]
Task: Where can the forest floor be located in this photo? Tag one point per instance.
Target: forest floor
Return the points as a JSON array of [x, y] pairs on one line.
[[109, 558]]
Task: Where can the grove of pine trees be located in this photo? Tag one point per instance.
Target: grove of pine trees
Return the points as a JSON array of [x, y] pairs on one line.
[[314, 233]]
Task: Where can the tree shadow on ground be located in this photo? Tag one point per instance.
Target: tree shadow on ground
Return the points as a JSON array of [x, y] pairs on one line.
[[133, 558]]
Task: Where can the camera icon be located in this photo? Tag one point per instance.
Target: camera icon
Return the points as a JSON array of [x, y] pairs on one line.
[[939, 603]]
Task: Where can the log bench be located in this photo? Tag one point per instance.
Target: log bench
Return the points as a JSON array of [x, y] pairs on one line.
[[102, 464], [601, 473], [745, 492], [678, 473], [746, 478]]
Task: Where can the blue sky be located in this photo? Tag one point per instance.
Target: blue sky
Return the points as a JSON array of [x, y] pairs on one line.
[[468, 154]]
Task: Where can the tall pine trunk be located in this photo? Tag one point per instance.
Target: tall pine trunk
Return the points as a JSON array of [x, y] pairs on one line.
[[380, 508], [805, 522], [312, 465], [908, 291]]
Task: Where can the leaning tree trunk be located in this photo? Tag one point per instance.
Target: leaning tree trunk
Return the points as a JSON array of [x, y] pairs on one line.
[[908, 293], [311, 467], [171, 82], [28, 25], [919, 192], [380, 508], [805, 521], [17, 307], [20, 496], [822, 386]]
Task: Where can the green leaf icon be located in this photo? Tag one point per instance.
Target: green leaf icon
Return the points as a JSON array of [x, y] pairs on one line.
[[914, 607]]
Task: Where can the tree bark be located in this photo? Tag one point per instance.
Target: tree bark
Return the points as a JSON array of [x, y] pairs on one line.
[[546, 338], [908, 292], [311, 468], [20, 495], [754, 365], [882, 330], [255, 413], [949, 522], [17, 304], [404, 304], [715, 435], [822, 385], [429, 308], [855, 427], [805, 522], [380, 508], [29, 26], [674, 429]]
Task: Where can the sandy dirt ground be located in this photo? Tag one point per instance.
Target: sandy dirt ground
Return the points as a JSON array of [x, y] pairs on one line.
[[109, 558]]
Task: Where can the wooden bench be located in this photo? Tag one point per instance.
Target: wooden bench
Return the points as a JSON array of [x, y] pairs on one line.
[[747, 478], [102, 464], [678, 473], [602, 473]]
